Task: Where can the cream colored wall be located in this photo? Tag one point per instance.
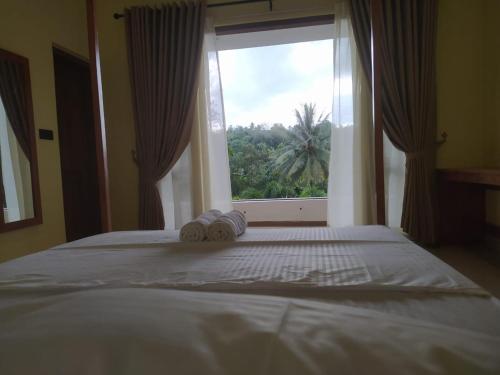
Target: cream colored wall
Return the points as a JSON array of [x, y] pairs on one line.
[[29, 28], [116, 89], [468, 78]]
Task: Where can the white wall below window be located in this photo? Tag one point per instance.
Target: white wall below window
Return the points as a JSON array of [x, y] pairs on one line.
[[289, 209]]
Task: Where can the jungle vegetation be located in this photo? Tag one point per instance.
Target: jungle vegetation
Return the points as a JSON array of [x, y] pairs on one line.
[[278, 161]]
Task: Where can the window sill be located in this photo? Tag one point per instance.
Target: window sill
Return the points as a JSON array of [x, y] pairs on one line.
[[302, 211]]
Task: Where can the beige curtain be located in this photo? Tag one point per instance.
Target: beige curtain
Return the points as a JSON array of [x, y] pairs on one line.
[[164, 50], [21, 172], [351, 188], [408, 45], [211, 173]]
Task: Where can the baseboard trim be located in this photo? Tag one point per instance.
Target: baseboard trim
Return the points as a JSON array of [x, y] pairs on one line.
[[287, 223]]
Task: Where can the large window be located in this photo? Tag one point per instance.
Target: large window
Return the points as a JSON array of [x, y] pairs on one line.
[[277, 88]]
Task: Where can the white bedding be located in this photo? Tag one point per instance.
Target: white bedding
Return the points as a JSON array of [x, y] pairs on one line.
[[367, 233], [321, 261], [157, 331], [388, 305]]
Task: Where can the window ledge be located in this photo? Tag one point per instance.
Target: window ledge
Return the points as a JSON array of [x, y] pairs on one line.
[[283, 209]]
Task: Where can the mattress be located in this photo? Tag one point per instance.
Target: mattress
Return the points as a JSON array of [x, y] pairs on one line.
[[321, 261], [374, 277]]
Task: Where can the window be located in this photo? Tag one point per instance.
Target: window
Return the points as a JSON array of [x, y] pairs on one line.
[[277, 88]]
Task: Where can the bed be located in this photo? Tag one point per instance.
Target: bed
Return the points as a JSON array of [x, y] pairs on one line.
[[290, 301]]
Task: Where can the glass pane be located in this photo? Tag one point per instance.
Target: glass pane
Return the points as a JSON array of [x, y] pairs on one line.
[[16, 174], [277, 101]]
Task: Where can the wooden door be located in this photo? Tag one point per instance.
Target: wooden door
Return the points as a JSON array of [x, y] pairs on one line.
[[77, 146]]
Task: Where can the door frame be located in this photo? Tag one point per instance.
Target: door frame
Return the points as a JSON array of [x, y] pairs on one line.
[[100, 156], [99, 123], [77, 60]]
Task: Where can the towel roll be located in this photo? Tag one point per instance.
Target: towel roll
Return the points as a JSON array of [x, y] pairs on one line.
[[227, 226], [197, 229]]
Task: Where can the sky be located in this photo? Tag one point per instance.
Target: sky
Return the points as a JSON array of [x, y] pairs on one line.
[[265, 85]]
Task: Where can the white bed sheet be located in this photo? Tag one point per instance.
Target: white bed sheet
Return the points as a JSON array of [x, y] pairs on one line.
[[366, 233], [322, 260], [157, 331], [381, 295]]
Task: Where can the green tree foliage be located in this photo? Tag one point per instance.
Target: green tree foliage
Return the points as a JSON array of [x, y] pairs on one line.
[[256, 158], [306, 157]]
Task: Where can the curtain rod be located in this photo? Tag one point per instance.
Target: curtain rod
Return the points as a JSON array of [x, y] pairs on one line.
[[117, 16]]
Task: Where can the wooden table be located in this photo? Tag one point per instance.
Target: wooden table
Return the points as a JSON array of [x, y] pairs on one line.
[[462, 203]]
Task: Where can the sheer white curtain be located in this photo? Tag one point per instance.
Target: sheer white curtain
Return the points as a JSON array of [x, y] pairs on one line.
[[210, 155], [201, 178], [351, 184], [394, 180], [177, 194], [16, 174], [12, 212]]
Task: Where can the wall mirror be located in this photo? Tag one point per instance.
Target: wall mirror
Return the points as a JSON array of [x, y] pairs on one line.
[[19, 189]]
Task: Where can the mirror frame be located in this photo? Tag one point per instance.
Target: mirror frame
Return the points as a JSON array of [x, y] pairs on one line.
[[35, 186]]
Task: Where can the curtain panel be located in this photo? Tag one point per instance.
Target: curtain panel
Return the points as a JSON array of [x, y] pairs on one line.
[[408, 60], [394, 159], [351, 187], [16, 178], [200, 180], [164, 52], [176, 191], [13, 97], [362, 30], [408, 44], [209, 141]]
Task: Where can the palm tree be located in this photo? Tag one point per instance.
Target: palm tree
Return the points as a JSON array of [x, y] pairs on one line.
[[307, 155]]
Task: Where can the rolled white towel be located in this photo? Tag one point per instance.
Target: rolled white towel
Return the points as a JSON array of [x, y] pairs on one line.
[[227, 226], [197, 229]]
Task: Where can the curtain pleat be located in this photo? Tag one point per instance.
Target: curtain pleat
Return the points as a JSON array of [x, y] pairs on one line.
[[164, 52]]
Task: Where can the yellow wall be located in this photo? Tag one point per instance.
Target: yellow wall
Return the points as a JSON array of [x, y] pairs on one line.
[[117, 98], [468, 77], [29, 28], [459, 83]]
